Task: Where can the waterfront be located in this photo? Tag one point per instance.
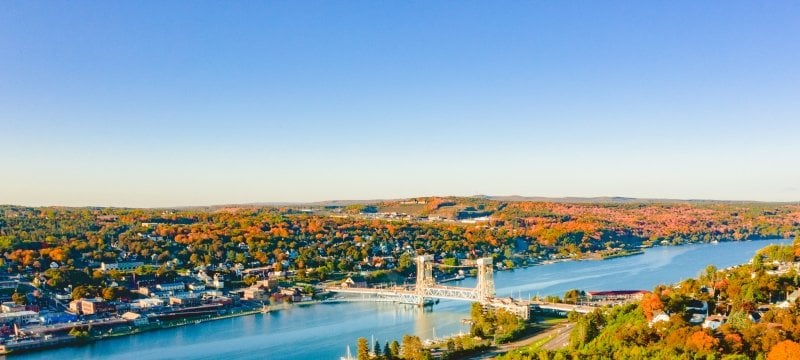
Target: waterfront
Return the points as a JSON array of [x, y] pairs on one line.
[[323, 331]]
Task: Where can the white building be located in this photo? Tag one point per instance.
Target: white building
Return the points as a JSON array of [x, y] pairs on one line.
[[121, 266]]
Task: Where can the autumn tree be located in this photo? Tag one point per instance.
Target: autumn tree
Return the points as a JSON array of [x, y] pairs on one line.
[[412, 348], [701, 341], [363, 349], [650, 305], [784, 350], [394, 349]]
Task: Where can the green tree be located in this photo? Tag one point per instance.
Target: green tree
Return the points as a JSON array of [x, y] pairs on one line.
[[376, 349], [405, 263], [387, 352], [572, 296]]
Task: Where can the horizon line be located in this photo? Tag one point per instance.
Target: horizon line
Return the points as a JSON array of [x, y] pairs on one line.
[[508, 198]]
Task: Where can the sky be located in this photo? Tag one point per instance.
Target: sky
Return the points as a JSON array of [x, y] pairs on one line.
[[171, 103]]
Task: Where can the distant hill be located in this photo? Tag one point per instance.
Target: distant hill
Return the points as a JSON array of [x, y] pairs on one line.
[[605, 199]]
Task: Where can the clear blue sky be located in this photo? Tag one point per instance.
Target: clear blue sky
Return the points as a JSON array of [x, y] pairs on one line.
[[154, 103]]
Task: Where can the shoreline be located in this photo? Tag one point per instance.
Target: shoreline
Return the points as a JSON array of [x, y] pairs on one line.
[[286, 306]]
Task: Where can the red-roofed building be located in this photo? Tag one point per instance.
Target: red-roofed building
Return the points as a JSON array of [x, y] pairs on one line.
[[616, 295]]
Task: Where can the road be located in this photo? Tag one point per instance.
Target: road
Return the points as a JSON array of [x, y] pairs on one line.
[[561, 338]]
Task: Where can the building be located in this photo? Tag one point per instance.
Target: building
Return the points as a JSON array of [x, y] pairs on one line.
[[197, 286], [144, 304], [354, 282], [616, 295], [255, 293], [698, 311], [790, 300], [8, 283], [714, 321], [661, 317], [171, 287], [184, 300], [270, 284], [18, 317], [121, 266], [90, 306], [295, 294], [136, 319], [10, 306], [217, 282]]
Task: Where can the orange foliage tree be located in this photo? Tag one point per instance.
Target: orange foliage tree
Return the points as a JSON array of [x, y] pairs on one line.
[[700, 341], [651, 304], [784, 350]]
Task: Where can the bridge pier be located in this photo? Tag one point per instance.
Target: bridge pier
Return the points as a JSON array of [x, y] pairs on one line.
[[426, 288]]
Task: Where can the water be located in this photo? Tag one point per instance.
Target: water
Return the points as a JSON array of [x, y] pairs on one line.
[[324, 331]]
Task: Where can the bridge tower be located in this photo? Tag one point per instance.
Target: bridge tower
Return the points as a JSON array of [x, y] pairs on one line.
[[485, 286], [425, 272]]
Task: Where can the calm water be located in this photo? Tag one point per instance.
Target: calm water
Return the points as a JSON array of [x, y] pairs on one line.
[[323, 331]]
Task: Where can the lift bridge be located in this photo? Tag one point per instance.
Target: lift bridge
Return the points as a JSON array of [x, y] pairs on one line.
[[426, 289]]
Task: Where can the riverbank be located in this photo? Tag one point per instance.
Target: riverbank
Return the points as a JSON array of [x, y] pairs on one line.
[[323, 332]]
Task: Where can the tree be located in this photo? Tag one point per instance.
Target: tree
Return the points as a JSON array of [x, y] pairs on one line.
[[586, 328], [363, 349], [250, 280], [394, 349], [572, 296], [700, 341], [376, 349], [404, 263], [80, 292], [387, 352], [651, 304], [19, 298], [412, 348], [784, 350]]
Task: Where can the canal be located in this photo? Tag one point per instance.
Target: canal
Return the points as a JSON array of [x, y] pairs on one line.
[[323, 331]]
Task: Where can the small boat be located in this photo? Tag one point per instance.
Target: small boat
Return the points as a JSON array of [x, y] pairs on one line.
[[348, 356]]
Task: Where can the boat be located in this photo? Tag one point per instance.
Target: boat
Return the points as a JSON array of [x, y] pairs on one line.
[[348, 356]]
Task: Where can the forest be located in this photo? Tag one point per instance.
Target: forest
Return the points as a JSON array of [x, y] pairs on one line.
[[751, 300], [314, 242]]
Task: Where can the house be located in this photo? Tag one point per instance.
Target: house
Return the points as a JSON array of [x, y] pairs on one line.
[[790, 299], [714, 321], [354, 282], [292, 293], [698, 311], [661, 317]]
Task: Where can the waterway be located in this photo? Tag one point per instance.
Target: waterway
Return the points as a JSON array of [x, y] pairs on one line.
[[323, 331]]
